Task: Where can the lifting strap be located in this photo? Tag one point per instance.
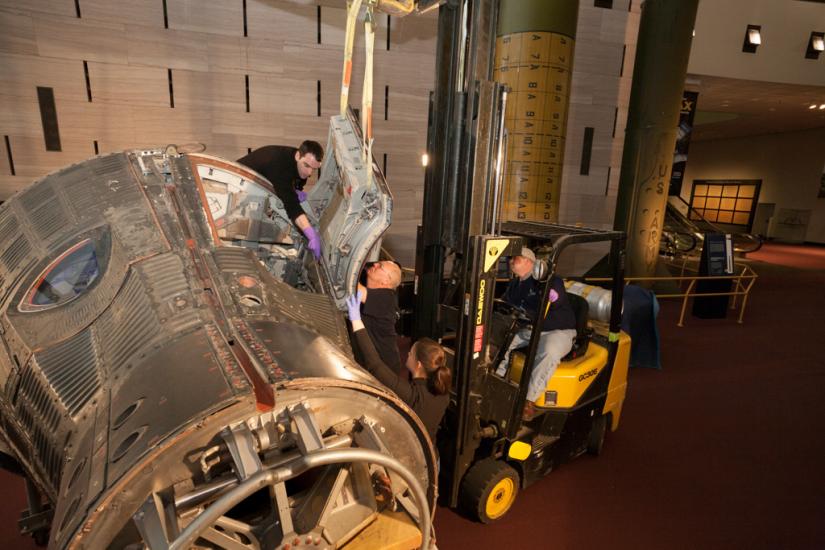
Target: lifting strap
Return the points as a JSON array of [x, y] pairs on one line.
[[366, 95], [353, 7]]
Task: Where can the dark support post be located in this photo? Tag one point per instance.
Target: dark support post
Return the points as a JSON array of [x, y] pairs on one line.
[[430, 248], [453, 192], [665, 33]]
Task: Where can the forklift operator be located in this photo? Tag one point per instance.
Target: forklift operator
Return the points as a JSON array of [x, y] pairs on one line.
[[558, 325]]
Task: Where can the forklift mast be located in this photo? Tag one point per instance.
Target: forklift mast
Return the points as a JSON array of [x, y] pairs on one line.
[[464, 144], [461, 229], [460, 221]]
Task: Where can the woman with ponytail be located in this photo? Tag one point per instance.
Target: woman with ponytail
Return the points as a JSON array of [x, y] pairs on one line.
[[427, 390]]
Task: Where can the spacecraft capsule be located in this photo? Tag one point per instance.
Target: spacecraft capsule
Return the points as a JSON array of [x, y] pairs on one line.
[[175, 369]]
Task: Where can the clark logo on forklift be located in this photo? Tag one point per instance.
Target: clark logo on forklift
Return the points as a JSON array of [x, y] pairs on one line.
[[588, 374]]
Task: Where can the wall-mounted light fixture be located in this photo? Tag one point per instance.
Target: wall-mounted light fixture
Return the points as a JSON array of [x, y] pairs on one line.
[[425, 159], [816, 45], [753, 37]]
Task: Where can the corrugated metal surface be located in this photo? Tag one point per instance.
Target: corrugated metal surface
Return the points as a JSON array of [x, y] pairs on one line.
[[231, 259], [8, 227], [40, 417], [18, 250], [102, 166], [321, 314], [129, 324], [49, 220], [71, 369], [82, 189], [48, 454], [37, 195], [100, 183], [35, 396], [169, 291]]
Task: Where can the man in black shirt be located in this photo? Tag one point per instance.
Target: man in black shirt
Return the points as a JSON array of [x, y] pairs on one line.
[[558, 321], [288, 169], [379, 311]]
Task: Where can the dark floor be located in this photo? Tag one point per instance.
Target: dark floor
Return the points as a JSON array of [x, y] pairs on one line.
[[722, 448]]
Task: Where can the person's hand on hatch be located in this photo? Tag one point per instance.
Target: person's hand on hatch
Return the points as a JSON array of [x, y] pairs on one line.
[[354, 307], [314, 241]]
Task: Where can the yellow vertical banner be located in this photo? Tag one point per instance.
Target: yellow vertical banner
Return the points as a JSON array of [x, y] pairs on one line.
[[535, 68]]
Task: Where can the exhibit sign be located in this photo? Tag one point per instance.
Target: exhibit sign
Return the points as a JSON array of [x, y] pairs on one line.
[[686, 115]]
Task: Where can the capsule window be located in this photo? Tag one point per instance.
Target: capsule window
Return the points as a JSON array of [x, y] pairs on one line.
[[67, 277]]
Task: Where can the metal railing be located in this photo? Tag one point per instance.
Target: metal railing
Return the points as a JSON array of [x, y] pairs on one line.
[[743, 282]]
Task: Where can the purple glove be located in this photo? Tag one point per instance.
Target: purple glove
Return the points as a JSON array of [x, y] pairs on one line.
[[553, 295], [302, 196], [314, 241], [354, 307]]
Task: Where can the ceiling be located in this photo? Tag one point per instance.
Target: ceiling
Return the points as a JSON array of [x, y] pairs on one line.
[[729, 108]]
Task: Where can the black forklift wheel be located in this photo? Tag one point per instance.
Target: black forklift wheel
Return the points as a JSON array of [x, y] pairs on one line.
[[595, 441], [489, 489], [41, 537]]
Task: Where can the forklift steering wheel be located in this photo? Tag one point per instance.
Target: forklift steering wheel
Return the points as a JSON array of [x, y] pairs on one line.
[[506, 308]]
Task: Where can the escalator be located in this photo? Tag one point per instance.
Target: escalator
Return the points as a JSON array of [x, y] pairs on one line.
[[684, 231]]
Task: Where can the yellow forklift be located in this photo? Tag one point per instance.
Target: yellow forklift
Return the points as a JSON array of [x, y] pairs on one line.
[[487, 451]]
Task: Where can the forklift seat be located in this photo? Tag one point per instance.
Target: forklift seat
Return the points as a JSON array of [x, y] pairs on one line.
[[583, 333]]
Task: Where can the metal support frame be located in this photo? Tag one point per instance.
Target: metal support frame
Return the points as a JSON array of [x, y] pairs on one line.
[[293, 469]]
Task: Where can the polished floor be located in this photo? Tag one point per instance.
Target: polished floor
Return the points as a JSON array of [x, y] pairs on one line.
[[723, 448]]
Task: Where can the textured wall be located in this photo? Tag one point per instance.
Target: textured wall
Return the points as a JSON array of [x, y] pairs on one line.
[[786, 29], [112, 63], [599, 98], [790, 166], [129, 49]]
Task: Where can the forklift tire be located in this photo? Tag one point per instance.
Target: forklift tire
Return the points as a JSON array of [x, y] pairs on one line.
[[489, 489], [41, 537], [595, 441]]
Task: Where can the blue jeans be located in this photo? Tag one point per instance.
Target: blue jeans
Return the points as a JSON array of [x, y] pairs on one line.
[[553, 345]]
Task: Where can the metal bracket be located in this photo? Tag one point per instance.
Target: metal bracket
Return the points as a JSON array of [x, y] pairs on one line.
[[370, 438], [241, 445], [284, 514], [151, 523], [309, 437]]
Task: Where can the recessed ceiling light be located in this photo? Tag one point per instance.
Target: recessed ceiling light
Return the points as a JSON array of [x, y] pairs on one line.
[[822, 106], [812, 106]]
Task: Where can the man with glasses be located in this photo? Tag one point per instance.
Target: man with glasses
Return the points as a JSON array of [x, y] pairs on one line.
[[379, 310], [288, 169]]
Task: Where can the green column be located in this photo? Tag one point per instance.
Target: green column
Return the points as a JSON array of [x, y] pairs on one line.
[[665, 33], [534, 58]]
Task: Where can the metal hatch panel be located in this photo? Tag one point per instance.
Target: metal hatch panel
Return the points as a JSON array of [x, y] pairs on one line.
[[352, 210]]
